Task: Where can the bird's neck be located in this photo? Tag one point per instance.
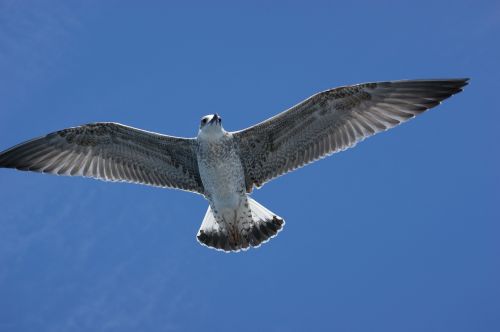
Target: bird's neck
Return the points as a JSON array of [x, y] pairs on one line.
[[212, 135]]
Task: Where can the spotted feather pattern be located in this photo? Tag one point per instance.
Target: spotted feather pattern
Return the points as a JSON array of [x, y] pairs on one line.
[[332, 121], [111, 152]]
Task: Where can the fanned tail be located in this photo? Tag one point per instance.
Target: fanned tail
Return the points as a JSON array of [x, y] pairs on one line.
[[254, 225]]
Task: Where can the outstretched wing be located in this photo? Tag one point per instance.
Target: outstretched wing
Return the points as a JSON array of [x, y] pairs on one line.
[[332, 121], [111, 152]]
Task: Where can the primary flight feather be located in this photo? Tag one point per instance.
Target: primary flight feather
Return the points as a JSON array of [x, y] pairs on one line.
[[225, 166]]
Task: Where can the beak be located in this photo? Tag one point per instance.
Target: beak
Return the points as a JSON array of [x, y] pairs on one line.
[[215, 119]]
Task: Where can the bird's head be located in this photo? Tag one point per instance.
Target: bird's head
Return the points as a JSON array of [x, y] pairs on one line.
[[211, 126]]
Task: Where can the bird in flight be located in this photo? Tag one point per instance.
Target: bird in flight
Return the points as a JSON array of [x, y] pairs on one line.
[[225, 166]]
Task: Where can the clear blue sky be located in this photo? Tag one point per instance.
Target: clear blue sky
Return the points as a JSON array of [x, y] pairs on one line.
[[398, 234]]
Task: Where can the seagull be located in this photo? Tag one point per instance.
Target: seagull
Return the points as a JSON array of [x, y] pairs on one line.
[[225, 166]]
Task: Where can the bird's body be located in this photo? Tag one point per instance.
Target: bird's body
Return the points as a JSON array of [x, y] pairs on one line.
[[223, 178], [224, 166], [221, 172]]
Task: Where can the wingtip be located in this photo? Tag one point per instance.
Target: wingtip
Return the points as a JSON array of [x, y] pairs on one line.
[[455, 84], [463, 81], [460, 81], [461, 84]]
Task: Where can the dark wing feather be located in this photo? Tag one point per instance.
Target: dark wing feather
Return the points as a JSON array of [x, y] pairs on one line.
[[111, 152], [332, 121]]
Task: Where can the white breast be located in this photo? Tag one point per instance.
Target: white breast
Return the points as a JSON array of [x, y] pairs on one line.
[[221, 173]]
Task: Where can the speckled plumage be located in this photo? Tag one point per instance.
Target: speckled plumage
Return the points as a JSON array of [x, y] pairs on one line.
[[222, 176], [226, 166]]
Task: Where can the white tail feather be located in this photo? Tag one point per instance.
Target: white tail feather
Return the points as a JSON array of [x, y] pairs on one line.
[[254, 225]]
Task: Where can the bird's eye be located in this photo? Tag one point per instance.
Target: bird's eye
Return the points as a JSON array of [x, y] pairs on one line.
[[204, 120]]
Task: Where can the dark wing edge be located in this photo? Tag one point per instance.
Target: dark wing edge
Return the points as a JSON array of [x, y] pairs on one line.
[[332, 121], [111, 152]]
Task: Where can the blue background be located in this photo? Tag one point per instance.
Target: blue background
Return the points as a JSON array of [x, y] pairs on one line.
[[399, 234]]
